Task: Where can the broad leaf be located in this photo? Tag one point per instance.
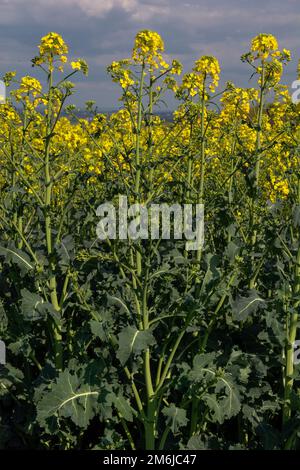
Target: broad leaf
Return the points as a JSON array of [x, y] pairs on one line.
[[133, 341], [69, 397], [123, 407], [175, 417], [242, 307]]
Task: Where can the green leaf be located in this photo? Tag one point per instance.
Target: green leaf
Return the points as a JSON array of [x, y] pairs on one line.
[[196, 443], [232, 250], [35, 308], [114, 300], [133, 341], [207, 442], [296, 215], [17, 257], [30, 305], [65, 251], [225, 401], [123, 407], [9, 377], [211, 400], [212, 273], [175, 417], [203, 367], [97, 329], [242, 307], [3, 318], [69, 397], [230, 402]]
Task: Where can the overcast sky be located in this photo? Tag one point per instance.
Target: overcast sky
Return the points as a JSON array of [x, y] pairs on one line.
[[103, 30]]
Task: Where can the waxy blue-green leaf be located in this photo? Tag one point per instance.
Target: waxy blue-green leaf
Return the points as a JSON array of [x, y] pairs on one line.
[[175, 417], [242, 307], [69, 397], [133, 341]]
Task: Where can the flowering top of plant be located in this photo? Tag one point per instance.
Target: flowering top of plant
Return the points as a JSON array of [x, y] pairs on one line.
[[205, 75], [154, 76], [264, 45], [148, 48], [208, 67], [264, 48], [52, 44], [53, 50]]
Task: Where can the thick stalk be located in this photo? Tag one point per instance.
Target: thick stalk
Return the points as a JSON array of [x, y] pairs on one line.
[[18, 216], [231, 179], [292, 326], [291, 338], [57, 336], [150, 143], [200, 198], [149, 419], [149, 422], [138, 136], [253, 221]]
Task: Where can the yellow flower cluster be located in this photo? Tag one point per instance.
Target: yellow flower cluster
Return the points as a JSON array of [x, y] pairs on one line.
[[264, 45], [148, 49], [29, 91], [53, 45], [205, 75], [208, 67], [236, 103], [147, 52], [81, 65], [53, 52], [120, 73]]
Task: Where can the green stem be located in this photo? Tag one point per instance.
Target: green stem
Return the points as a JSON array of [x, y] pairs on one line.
[[292, 326], [164, 438], [253, 221], [200, 198], [138, 135], [149, 425], [170, 359], [127, 432], [57, 334]]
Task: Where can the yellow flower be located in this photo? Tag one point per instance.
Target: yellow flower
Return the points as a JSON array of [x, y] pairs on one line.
[[264, 45], [120, 73], [75, 65], [205, 75], [176, 67], [287, 54], [30, 85], [236, 104], [29, 92], [52, 45], [80, 64], [126, 81], [208, 67], [148, 48]]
